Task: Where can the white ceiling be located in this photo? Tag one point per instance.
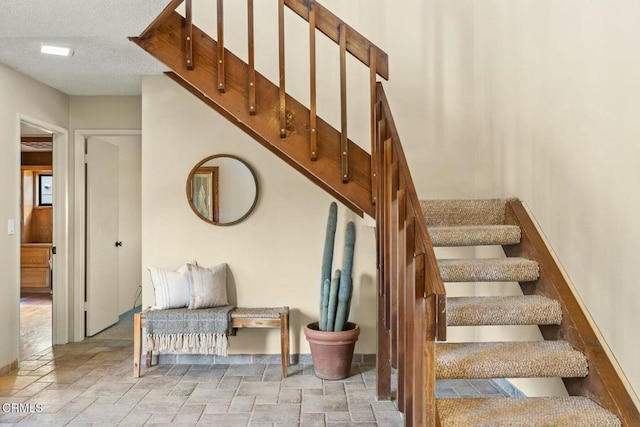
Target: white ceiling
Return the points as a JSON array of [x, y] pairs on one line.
[[105, 62]]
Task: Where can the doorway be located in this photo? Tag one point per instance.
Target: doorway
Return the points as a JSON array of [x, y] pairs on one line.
[[43, 224], [36, 239], [122, 288]]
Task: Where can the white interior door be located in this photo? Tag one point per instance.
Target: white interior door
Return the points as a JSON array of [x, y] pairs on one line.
[[102, 267]]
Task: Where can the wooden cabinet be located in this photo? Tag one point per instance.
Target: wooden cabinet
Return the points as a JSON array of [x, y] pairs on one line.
[[35, 270]]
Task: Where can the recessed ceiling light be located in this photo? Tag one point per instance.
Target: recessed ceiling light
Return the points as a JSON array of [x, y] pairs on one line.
[[56, 50]]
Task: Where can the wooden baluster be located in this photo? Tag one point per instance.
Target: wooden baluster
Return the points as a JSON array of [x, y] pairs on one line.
[[379, 211], [221, 77], [252, 65], [391, 188], [313, 138], [383, 356], [382, 136], [421, 342], [283, 116], [188, 35], [409, 314], [374, 99], [428, 374], [388, 160], [344, 151], [400, 298]]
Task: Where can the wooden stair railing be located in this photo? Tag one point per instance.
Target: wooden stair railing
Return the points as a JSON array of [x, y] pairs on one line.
[[411, 304], [198, 61], [412, 298]]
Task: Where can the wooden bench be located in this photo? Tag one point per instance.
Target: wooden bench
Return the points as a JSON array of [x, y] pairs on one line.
[[241, 317]]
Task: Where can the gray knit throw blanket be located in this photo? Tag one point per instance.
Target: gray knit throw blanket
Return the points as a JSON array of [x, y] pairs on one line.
[[180, 330]]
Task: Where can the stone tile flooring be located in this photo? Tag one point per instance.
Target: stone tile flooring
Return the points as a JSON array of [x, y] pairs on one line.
[[91, 383], [35, 324], [469, 388]]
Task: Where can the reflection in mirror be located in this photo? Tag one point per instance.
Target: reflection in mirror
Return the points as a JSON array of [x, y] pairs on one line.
[[222, 189]]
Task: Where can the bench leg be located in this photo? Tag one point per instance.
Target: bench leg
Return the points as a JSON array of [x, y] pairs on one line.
[[149, 354], [137, 345], [284, 342]]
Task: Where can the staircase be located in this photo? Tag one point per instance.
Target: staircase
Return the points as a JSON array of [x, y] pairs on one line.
[[414, 312], [563, 354]]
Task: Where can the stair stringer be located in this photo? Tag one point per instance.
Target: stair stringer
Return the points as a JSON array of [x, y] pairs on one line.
[[605, 383], [165, 43]]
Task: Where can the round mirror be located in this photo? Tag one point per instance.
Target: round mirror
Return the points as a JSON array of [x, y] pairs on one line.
[[222, 189]]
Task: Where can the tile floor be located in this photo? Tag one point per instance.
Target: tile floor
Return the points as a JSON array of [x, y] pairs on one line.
[[35, 324], [91, 383]]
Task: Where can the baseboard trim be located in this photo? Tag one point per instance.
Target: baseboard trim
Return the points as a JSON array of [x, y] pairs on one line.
[[8, 368], [234, 359]]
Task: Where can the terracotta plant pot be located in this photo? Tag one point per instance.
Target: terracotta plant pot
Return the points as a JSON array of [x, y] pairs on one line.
[[332, 352]]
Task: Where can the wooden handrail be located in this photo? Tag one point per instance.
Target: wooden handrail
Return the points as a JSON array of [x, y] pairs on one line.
[[328, 24], [434, 286], [412, 299]]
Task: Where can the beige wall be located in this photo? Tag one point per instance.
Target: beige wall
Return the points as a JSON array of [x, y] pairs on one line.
[[552, 95], [105, 112], [274, 256], [18, 95], [118, 113]]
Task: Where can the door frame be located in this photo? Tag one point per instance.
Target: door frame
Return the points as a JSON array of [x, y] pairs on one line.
[[61, 306], [79, 207]]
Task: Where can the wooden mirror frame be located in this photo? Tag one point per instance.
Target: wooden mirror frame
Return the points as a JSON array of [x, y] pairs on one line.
[[189, 187]]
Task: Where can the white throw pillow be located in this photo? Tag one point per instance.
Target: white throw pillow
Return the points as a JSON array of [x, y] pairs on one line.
[[208, 286], [171, 288]]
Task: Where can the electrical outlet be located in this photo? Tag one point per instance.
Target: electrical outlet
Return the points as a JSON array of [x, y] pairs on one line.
[[11, 227]]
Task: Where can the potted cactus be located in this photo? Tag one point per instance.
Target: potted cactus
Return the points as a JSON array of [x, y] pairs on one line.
[[332, 339]]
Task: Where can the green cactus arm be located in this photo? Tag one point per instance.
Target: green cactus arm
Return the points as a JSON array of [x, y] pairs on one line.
[[333, 301], [344, 293], [325, 305], [327, 255], [349, 303]]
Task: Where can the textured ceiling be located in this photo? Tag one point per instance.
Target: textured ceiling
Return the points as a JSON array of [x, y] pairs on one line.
[[105, 62]]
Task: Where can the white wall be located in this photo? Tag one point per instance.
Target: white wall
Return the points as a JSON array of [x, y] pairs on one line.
[[553, 96], [18, 94], [129, 217], [274, 256]]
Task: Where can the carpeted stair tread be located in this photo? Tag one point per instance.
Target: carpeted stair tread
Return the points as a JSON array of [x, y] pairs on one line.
[[529, 359], [509, 310], [488, 270], [464, 212], [524, 412], [475, 235]]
